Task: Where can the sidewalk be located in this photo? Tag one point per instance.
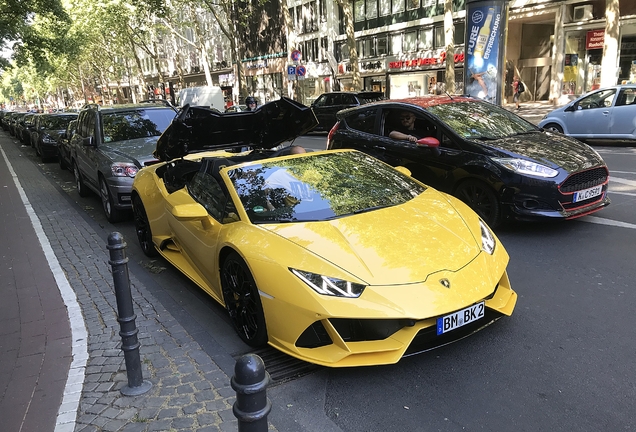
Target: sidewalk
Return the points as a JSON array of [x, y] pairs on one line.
[[532, 111], [37, 391]]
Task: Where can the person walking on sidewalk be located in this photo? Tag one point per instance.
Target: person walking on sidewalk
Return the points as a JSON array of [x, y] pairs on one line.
[[516, 91]]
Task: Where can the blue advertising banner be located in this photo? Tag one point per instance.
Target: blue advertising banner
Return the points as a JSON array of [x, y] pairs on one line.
[[484, 62]]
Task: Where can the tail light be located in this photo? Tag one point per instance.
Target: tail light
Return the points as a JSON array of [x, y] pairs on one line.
[[331, 134]]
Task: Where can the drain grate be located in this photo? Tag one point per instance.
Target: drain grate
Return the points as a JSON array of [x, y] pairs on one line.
[[282, 367]]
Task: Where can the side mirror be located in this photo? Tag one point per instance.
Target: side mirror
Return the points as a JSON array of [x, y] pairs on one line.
[[572, 107], [403, 170], [189, 212], [428, 142], [88, 141]]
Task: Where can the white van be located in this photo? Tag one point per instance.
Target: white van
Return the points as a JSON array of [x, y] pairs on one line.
[[207, 96]]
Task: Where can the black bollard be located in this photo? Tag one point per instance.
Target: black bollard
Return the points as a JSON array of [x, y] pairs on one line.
[[250, 382], [126, 317]]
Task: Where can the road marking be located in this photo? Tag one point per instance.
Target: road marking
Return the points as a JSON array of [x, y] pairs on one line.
[[609, 222], [613, 192], [623, 172], [622, 181], [67, 413]]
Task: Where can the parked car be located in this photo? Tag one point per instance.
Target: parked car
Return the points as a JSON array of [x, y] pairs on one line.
[[499, 164], [34, 134], [331, 257], [604, 114], [110, 145], [328, 104], [14, 121], [23, 128], [50, 126], [64, 145]]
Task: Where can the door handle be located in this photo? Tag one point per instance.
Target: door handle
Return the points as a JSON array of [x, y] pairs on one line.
[[605, 113]]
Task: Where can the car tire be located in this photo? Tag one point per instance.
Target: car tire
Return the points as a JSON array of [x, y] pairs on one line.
[[37, 151], [482, 199], [112, 213], [553, 127], [81, 187], [142, 228], [60, 161], [242, 301]]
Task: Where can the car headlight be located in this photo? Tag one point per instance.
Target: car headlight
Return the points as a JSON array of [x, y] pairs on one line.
[[326, 285], [46, 139], [526, 167], [123, 169], [488, 241]]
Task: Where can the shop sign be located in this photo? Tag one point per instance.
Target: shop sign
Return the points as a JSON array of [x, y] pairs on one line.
[[594, 39], [425, 61], [262, 65], [364, 66]]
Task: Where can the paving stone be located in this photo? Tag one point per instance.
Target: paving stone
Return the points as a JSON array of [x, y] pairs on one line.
[[183, 423]]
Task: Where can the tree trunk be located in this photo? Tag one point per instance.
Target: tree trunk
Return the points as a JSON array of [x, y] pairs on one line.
[[449, 35], [351, 41], [610, 46]]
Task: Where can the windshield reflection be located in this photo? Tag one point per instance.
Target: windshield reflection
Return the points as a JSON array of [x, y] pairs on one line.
[[479, 120], [322, 187], [121, 126]]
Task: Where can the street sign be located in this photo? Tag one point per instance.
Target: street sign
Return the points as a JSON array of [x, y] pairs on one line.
[[301, 71], [291, 72], [296, 56]]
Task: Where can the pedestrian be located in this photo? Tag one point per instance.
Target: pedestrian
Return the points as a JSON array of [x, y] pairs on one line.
[[250, 102], [516, 91]]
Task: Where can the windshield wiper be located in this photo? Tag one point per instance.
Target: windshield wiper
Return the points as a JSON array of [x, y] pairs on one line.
[[526, 132], [368, 209], [484, 138]]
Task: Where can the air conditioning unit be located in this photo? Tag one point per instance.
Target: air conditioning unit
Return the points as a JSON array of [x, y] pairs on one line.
[[582, 13]]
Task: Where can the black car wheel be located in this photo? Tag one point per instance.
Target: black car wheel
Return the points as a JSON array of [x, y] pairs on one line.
[[61, 160], [242, 301], [482, 199], [553, 127], [142, 227], [37, 150], [113, 214], [82, 190]]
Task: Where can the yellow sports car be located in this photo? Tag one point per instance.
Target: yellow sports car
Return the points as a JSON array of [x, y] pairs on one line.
[[332, 257]]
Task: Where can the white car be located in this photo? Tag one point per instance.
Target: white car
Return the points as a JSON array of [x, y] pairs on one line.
[[605, 114]]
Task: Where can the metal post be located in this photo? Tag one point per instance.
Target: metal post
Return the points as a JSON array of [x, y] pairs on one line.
[[250, 382], [126, 317]]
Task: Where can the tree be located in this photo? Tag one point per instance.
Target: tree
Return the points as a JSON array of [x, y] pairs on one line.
[[449, 39], [347, 11], [610, 45]]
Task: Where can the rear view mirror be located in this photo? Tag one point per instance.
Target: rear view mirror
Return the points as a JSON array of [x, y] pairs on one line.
[[428, 142]]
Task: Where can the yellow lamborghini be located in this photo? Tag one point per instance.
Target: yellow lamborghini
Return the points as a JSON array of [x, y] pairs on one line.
[[332, 257]]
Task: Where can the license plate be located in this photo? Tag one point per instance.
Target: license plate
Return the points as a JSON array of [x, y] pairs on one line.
[[587, 193], [460, 318]]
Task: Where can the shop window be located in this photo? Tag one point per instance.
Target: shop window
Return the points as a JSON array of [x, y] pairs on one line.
[[381, 44], [428, 3], [358, 11], [412, 4], [398, 6], [385, 7], [439, 36], [363, 121], [396, 43], [425, 39], [372, 9], [410, 41]]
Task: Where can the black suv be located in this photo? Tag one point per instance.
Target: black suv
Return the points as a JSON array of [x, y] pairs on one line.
[[110, 145], [328, 104]]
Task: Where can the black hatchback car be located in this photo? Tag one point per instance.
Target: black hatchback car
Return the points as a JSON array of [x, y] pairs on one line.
[[328, 104], [498, 163]]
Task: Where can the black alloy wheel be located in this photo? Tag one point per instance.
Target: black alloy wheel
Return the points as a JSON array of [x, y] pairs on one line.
[[142, 227], [482, 199], [113, 214], [82, 189], [242, 301]]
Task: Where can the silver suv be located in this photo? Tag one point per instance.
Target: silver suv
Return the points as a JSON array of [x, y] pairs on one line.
[[110, 145]]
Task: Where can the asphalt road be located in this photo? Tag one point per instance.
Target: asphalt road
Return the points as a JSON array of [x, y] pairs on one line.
[[563, 361]]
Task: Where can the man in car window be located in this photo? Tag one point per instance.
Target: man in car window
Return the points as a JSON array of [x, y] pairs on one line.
[[407, 130]]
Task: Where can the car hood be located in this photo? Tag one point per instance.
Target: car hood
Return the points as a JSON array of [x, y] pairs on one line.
[[197, 129], [550, 149], [137, 150], [418, 238]]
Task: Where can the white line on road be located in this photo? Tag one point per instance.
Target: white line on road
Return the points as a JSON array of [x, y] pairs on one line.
[[622, 172], [622, 181], [602, 221]]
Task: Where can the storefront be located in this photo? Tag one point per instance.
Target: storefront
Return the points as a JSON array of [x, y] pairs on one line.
[[372, 73], [423, 75], [264, 77]]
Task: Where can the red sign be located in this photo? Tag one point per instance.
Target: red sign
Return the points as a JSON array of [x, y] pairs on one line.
[[425, 61], [594, 39]]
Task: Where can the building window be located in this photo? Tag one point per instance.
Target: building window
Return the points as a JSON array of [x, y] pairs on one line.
[[428, 3], [410, 41], [323, 10], [381, 45], [396, 43], [426, 39], [439, 36], [372, 9], [385, 7], [313, 16], [460, 33], [358, 12], [398, 6], [412, 4], [298, 25], [324, 47]]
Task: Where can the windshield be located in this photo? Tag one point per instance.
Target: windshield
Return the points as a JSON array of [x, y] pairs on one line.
[[316, 188], [140, 123], [58, 122], [479, 120]]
